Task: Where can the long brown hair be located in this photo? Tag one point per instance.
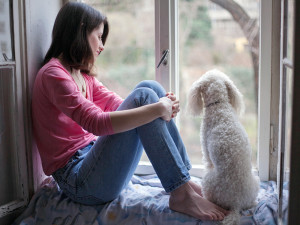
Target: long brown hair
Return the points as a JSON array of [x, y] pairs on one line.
[[74, 22]]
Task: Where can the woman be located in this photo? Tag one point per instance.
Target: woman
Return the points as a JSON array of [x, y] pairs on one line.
[[70, 108]]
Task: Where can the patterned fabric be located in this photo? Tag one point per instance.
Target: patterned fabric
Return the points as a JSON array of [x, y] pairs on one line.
[[143, 202]]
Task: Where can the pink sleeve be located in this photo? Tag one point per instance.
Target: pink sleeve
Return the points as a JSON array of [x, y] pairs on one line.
[[104, 98], [63, 93]]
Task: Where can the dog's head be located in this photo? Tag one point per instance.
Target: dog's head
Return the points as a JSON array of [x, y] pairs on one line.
[[214, 87]]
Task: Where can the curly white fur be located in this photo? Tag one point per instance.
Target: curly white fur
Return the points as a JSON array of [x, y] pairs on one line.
[[229, 181]]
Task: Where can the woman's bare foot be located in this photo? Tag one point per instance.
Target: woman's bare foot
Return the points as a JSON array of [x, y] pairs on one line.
[[186, 200], [196, 187]]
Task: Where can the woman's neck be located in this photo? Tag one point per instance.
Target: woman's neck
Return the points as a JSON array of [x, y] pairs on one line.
[[71, 71]]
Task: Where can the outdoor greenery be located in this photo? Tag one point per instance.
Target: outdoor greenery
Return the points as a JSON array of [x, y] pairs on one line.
[[202, 23]]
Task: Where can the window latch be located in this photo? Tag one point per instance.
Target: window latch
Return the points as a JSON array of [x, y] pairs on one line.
[[164, 58], [5, 57]]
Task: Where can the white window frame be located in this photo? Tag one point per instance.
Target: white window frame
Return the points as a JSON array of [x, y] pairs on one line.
[[264, 95]]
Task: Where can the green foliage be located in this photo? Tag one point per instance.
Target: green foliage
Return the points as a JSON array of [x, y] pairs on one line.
[[201, 27]]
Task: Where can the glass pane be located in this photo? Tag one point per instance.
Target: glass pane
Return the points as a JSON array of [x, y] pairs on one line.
[[129, 51], [8, 176], [129, 55], [6, 49], [210, 38]]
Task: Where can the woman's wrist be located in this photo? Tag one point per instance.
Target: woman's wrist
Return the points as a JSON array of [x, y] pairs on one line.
[[160, 109]]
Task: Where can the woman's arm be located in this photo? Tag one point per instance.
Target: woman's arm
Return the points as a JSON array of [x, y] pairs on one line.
[[107, 100], [132, 118], [64, 94]]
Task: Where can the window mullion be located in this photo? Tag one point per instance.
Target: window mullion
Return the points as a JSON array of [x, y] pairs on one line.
[[162, 42], [174, 48], [264, 111]]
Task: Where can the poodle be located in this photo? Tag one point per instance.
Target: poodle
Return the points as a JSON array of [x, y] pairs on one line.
[[229, 181]]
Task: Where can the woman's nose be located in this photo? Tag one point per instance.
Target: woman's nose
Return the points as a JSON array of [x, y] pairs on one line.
[[101, 47]]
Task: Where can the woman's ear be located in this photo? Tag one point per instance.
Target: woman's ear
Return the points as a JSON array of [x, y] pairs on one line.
[[195, 101]]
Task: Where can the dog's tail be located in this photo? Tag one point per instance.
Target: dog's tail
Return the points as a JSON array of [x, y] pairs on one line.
[[233, 218]]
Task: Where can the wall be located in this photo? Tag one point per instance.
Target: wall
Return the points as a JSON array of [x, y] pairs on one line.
[[40, 16]]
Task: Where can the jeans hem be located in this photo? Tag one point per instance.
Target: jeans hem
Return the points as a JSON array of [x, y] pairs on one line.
[[178, 184]]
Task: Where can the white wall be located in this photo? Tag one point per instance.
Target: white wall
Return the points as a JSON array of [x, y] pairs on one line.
[[40, 16]]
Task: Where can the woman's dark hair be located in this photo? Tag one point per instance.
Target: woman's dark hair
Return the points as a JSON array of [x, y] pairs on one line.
[[72, 25]]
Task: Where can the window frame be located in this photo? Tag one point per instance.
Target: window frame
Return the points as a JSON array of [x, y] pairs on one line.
[[294, 183], [17, 65], [264, 95]]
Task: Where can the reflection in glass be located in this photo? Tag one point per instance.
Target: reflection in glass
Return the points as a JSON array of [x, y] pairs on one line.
[[6, 51]]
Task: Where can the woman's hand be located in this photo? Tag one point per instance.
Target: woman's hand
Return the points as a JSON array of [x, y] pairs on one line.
[[176, 105], [124, 120], [167, 111], [171, 106]]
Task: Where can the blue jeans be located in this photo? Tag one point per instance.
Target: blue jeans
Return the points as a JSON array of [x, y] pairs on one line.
[[99, 172]]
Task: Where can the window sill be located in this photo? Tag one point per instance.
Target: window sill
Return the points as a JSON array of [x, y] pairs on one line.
[[145, 168]]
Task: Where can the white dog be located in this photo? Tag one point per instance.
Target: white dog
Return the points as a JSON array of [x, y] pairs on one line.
[[229, 181]]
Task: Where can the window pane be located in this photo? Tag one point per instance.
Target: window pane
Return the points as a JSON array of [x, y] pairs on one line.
[[210, 38], [6, 51], [129, 55]]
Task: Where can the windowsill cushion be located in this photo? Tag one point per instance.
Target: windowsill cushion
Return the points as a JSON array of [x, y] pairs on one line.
[[143, 202]]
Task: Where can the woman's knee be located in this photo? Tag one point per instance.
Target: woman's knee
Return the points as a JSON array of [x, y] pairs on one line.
[[138, 97], [144, 96], [154, 85]]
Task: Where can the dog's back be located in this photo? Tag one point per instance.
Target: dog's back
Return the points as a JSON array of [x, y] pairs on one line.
[[229, 181]]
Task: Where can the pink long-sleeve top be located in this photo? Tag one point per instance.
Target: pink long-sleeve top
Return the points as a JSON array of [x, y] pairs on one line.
[[63, 119]]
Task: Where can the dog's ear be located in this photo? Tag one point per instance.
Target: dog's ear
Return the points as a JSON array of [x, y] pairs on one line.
[[235, 97], [195, 101]]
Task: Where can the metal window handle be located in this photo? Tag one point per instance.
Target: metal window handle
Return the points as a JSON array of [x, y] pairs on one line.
[[164, 58], [5, 57]]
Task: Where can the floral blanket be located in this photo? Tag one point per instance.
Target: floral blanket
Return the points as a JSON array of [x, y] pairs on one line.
[[143, 202]]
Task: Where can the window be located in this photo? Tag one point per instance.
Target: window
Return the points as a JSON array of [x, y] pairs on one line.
[[173, 29], [129, 55], [286, 99], [129, 51]]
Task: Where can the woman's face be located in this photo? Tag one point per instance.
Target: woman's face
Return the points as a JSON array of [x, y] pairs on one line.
[[95, 40]]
